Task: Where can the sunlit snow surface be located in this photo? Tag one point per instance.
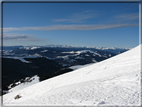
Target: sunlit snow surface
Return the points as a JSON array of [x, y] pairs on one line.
[[112, 82], [34, 80]]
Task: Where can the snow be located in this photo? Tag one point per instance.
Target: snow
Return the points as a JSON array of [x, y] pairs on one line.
[[81, 52], [84, 51], [113, 82], [94, 60], [38, 55], [34, 80], [66, 57], [33, 48], [96, 54], [78, 57], [63, 57], [29, 48], [106, 48], [44, 51], [20, 58], [79, 66], [26, 48], [72, 52]]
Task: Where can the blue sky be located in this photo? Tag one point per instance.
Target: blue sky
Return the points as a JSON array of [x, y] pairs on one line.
[[77, 24]]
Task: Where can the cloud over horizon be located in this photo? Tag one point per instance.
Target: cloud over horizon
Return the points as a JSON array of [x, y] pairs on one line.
[[20, 37], [70, 27]]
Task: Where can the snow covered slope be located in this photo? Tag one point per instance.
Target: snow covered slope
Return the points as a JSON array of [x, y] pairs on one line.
[[32, 80], [113, 82]]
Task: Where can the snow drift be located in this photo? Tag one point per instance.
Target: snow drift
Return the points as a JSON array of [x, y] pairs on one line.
[[114, 82]]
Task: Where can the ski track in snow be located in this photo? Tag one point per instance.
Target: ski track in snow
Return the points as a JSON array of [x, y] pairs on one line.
[[113, 82]]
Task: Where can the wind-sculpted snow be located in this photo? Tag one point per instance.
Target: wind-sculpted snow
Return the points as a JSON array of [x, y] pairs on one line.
[[112, 82]]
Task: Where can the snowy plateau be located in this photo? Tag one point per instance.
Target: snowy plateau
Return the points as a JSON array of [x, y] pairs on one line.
[[112, 82]]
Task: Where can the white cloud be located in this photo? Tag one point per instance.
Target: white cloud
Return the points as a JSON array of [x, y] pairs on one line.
[[70, 27], [79, 17], [20, 37], [131, 16]]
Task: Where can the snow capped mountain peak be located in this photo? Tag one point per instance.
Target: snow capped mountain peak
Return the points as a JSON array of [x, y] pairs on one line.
[[109, 49], [114, 82], [105, 48], [67, 46]]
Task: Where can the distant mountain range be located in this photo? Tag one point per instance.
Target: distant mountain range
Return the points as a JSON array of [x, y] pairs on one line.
[[63, 55], [112, 49]]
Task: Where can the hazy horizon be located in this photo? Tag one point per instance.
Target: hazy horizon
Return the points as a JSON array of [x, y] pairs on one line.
[[63, 46]]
